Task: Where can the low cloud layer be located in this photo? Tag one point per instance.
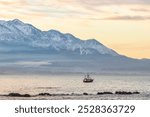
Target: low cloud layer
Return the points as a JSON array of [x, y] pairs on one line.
[[128, 18]]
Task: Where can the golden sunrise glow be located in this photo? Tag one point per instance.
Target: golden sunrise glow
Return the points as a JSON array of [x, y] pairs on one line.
[[121, 25]]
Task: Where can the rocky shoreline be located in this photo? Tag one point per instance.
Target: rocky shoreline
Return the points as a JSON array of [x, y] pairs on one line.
[[72, 94]]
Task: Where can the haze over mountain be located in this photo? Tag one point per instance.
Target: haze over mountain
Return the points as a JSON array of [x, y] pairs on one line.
[[24, 48]]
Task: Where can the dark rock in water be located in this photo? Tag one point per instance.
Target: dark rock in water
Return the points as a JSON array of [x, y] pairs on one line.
[[44, 94], [76, 94], [102, 93], [62, 94], [126, 93], [136, 92], [18, 95], [85, 93], [123, 93], [47, 94], [14, 94], [26, 95]]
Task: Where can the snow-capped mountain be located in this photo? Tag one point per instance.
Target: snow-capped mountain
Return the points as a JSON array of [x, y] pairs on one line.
[[26, 49], [15, 32]]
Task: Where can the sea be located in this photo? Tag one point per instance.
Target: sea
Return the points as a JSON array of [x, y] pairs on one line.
[[71, 87]]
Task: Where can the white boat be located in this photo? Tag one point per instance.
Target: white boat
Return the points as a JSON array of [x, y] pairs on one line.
[[88, 79]]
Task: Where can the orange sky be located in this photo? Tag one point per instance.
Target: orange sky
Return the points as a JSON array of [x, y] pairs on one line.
[[121, 25]]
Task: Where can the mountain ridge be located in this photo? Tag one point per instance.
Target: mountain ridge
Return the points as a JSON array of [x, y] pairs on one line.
[[26, 49], [23, 32]]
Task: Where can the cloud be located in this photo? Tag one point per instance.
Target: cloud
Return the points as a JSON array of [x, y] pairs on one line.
[[112, 2], [128, 18], [76, 9], [122, 18], [13, 3], [140, 10]]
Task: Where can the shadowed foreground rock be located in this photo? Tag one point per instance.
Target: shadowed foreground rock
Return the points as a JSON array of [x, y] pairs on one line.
[[126, 93], [85, 93], [44, 94], [72, 94], [136, 92], [102, 93], [18, 95]]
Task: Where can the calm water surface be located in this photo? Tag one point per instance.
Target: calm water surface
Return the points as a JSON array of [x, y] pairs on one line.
[[74, 86]]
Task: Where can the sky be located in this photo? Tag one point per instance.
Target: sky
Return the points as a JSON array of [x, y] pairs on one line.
[[123, 25]]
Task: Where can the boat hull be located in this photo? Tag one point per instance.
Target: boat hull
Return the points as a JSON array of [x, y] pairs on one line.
[[88, 80]]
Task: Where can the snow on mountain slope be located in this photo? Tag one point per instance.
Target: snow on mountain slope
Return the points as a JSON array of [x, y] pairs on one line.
[[17, 32]]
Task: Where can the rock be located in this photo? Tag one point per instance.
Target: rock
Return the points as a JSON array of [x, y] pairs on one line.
[[108, 93], [47, 94], [26, 95], [102, 93], [44, 94], [18, 95], [14, 94], [63, 94], [136, 92], [76, 94], [85, 93], [123, 93]]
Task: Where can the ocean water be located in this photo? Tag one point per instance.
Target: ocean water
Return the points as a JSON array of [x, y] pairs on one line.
[[72, 87]]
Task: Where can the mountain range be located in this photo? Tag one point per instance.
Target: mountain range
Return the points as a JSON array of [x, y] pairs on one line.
[[24, 48]]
